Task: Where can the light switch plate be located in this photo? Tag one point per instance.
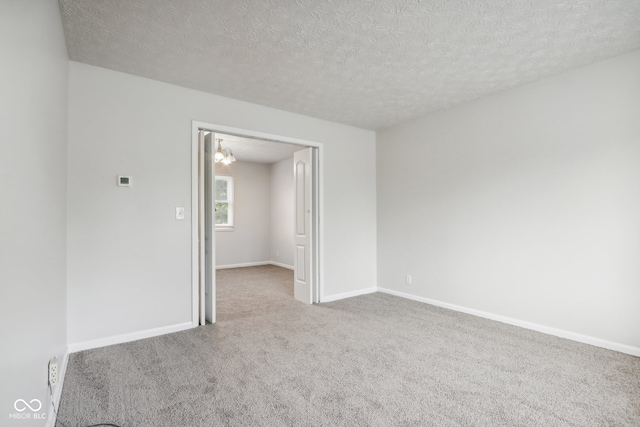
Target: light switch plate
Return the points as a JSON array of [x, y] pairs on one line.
[[179, 213]]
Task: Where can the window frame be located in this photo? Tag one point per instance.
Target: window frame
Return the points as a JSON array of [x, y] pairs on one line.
[[229, 226]]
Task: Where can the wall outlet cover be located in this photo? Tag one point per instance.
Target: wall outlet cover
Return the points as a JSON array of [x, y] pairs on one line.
[[53, 371]]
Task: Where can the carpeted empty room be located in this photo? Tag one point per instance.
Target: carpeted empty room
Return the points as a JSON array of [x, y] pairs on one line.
[[372, 360]]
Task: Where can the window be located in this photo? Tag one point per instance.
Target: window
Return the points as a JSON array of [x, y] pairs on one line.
[[224, 202]]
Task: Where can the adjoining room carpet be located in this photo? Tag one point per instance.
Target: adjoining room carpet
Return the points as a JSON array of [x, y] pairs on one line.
[[373, 360]]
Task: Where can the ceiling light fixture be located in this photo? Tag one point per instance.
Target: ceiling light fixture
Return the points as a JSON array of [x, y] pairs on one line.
[[225, 156]]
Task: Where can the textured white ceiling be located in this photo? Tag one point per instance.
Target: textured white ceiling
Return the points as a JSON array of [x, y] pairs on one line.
[[365, 63], [257, 150]]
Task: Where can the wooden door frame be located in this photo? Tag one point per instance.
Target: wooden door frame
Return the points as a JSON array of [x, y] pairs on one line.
[[197, 294]]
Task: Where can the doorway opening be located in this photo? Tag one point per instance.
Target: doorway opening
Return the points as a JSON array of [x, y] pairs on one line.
[[306, 235]]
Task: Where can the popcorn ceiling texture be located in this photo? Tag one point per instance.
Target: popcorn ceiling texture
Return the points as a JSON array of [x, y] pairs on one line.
[[369, 64]]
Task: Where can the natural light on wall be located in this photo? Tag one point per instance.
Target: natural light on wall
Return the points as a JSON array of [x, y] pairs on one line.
[[224, 202]]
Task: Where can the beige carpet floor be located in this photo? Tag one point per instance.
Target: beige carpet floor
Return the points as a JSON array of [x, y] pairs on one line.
[[374, 360]]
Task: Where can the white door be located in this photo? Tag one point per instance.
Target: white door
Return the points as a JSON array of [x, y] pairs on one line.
[[304, 268], [201, 228], [206, 230], [209, 230]]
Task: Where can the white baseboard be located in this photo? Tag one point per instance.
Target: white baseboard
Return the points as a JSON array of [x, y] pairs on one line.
[[279, 264], [244, 264], [336, 297], [586, 339], [133, 336], [254, 264], [57, 390]]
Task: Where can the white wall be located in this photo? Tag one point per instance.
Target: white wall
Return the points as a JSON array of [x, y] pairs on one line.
[[251, 236], [33, 134], [264, 214], [524, 204], [129, 263], [282, 212]]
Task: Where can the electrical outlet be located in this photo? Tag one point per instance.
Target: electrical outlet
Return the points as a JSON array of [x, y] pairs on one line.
[[53, 371], [407, 279]]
